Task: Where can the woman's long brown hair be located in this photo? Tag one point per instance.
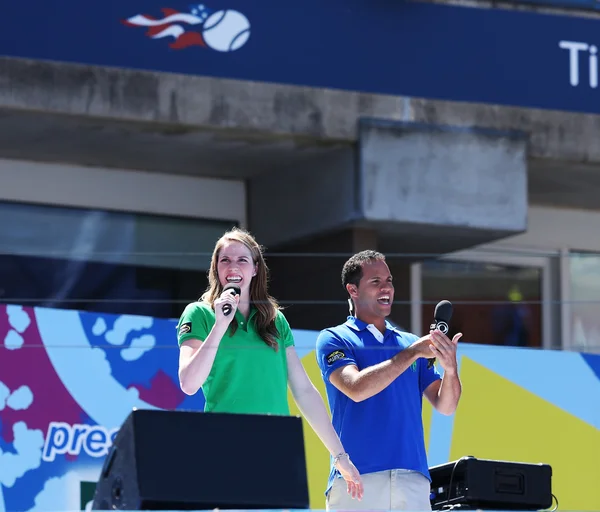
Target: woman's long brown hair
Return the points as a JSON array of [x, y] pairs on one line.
[[266, 306]]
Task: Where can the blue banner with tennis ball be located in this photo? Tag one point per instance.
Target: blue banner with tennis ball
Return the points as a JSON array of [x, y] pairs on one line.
[[497, 56]]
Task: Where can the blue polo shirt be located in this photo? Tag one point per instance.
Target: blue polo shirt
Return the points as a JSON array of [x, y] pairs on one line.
[[385, 431]]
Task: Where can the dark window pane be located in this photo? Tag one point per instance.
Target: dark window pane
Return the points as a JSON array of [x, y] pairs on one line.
[[493, 303], [103, 261]]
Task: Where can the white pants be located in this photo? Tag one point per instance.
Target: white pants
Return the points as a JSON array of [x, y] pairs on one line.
[[397, 489]]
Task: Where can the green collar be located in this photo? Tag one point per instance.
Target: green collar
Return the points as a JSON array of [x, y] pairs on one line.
[[240, 318]]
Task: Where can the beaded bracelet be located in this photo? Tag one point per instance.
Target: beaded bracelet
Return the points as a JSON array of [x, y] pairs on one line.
[[337, 458]]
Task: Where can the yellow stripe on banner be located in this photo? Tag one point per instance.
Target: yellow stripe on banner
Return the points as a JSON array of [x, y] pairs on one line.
[[317, 456], [427, 415], [497, 419]]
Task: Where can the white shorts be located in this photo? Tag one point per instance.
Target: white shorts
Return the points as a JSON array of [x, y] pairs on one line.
[[398, 489]]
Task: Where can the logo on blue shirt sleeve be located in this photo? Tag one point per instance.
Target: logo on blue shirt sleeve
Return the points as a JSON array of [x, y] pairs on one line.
[[336, 355]]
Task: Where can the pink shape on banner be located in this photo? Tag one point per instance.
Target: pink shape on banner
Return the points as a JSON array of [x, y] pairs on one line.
[[31, 366], [162, 393]]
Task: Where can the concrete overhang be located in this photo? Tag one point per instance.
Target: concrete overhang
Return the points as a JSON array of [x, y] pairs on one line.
[[57, 112]]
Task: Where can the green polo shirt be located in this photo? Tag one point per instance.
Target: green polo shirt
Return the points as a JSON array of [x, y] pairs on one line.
[[247, 375]]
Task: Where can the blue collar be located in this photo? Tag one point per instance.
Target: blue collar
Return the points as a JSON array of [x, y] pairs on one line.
[[359, 325]]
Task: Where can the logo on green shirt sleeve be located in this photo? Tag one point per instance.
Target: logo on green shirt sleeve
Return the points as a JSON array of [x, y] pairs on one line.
[[185, 328]]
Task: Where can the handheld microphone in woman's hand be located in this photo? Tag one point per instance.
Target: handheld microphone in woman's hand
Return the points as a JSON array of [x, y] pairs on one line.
[[236, 291]]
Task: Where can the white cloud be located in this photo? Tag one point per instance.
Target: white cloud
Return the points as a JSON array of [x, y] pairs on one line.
[[20, 399], [17, 318], [13, 340], [139, 346], [124, 325], [107, 402], [62, 492], [28, 445], [99, 327]]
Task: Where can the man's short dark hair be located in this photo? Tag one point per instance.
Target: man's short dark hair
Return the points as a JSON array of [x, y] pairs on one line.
[[352, 271]]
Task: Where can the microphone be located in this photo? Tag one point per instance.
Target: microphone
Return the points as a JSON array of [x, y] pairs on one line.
[[236, 291], [441, 321]]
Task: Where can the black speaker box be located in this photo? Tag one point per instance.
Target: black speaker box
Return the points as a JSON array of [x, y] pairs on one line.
[[180, 460], [470, 483]]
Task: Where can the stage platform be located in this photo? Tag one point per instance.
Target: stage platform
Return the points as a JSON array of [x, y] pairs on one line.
[[323, 510]]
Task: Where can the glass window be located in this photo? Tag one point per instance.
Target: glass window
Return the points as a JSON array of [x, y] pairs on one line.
[[585, 301], [103, 261], [494, 304]]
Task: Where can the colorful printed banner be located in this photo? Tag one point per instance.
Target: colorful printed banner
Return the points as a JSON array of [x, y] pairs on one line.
[[68, 380]]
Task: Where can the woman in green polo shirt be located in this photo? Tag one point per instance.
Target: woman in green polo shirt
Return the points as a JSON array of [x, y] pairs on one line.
[[245, 361]]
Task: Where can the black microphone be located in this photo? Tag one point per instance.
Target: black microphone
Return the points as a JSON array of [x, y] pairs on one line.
[[441, 321], [236, 291]]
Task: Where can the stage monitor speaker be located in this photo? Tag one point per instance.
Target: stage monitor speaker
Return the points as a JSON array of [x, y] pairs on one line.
[[471, 483], [180, 460]]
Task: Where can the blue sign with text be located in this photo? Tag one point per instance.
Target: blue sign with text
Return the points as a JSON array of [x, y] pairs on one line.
[[395, 47]]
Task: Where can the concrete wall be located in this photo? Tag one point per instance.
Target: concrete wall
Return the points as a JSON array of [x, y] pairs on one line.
[[304, 199], [122, 190], [117, 94], [432, 188], [447, 176], [551, 229]]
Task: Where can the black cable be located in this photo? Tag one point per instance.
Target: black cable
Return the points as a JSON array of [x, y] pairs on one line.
[[448, 506], [452, 476]]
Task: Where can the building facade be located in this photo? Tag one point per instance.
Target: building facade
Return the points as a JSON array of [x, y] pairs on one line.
[[444, 135]]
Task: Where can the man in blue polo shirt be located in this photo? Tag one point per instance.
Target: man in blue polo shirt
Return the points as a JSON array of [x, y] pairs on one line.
[[376, 376]]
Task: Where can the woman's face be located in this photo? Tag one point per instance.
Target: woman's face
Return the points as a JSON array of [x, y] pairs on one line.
[[235, 265]]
